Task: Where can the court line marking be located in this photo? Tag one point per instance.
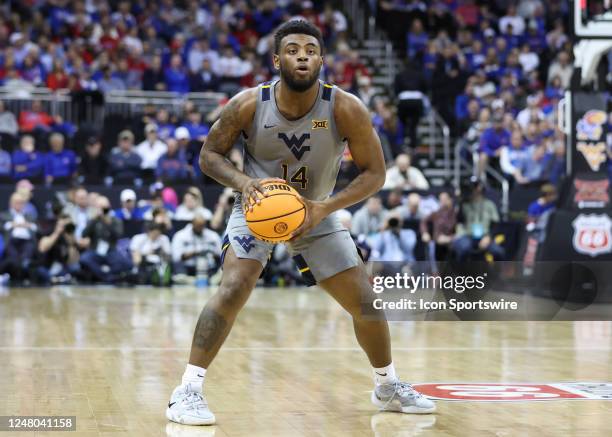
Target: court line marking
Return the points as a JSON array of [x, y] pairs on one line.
[[303, 349]]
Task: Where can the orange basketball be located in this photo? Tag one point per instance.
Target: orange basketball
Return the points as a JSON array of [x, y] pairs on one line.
[[278, 215]]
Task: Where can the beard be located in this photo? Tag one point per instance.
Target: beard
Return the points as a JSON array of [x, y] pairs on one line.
[[297, 84]]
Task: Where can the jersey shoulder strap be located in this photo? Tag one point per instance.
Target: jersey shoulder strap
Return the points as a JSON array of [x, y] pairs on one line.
[[265, 91]]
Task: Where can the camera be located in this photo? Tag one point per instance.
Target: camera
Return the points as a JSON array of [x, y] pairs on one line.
[[393, 223], [69, 228]]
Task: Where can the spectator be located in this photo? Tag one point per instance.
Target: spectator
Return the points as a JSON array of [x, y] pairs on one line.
[[8, 122], [438, 229], [535, 169], [60, 164], [403, 175], [25, 188], [80, 210], [478, 215], [154, 78], [57, 79], [416, 39], [194, 246], [512, 156], [512, 19], [165, 126], [231, 69], [491, 143], [125, 164], [204, 78], [27, 162], [150, 150], [369, 219], [176, 77], [59, 253], [35, 119], [93, 165], [561, 68], [108, 83], [20, 230], [6, 169], [197, 129], [532, 113], [151, 255], [129, 209], [100, 239], [172, 166], [410, 88], [192, 205], [394, 244]]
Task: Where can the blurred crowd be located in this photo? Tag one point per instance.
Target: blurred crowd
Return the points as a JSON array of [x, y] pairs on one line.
[[180, 46], [495, 71]]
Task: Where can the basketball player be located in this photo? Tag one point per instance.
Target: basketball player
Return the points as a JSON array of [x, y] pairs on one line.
[[295, 130]]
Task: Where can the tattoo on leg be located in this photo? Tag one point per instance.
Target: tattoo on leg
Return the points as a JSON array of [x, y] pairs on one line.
[[209, 329]]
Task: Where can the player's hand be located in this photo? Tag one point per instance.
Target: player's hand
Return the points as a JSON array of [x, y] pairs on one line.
[[253, 192], [315, 212]]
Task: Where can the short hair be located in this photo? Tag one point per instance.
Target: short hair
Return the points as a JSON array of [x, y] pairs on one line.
[[293, 27]]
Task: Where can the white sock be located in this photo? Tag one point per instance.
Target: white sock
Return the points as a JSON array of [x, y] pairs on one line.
[[384, 375], [194, 375]]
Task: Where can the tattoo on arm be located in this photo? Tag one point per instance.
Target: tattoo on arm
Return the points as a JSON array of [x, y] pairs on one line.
[[209, 329], [220, 140]]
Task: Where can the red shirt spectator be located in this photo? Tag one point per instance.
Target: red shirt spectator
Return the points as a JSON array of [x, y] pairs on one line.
[[57, 79], [33, 118]]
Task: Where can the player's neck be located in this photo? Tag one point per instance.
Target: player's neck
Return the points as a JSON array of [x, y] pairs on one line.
[[292, 104]]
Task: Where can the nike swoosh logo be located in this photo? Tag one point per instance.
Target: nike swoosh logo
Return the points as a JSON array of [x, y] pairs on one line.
[[170, 405], [201, 376], [381, 374], [268, 127]]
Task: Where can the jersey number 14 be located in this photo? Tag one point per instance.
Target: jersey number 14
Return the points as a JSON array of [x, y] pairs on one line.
[[299, 177]]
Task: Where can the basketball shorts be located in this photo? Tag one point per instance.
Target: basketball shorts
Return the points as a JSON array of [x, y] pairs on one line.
[[318, 256]]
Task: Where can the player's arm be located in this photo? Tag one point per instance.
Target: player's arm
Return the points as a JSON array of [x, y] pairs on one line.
[[236, 116], [353, 123]]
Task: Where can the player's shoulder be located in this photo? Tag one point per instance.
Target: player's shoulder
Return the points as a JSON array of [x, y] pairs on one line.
[[348, 105], [350, 113]]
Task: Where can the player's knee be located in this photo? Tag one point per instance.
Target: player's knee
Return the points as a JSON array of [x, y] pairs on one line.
[[234, 292]]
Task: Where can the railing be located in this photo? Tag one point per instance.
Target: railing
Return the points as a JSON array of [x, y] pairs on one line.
[[461, 162], [133, 102], [81, 107], [17, 100]]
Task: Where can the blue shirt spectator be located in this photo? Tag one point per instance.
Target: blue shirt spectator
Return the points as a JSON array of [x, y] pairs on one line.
[[129, 210], [177, 79], [5, 163], [267, 18], [173, 165], [59, 163], [27, 162], [124, 162], [416, 39], [494, 138]]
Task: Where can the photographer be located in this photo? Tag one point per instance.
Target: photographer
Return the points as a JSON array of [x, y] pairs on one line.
[[59, 253], [192, 244], [150, 255], [100, 239], [394, 244]]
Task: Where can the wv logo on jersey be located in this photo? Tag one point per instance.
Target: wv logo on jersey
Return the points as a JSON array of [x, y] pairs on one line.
[[245, 241], [295, 144]]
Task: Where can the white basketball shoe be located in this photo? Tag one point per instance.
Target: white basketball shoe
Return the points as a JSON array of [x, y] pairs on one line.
[[401, 397], [189, 407]]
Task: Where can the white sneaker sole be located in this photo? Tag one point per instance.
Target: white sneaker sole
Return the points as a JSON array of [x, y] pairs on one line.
[[394, 406], [189, 420]]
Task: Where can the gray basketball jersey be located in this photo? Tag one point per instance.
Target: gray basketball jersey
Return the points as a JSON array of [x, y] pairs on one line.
[[305, 152]]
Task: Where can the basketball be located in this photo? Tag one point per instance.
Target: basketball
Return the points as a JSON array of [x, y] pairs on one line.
[[278, 215]]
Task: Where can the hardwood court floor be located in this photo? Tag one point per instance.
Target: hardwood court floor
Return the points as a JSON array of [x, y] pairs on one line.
[[291, 367]]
